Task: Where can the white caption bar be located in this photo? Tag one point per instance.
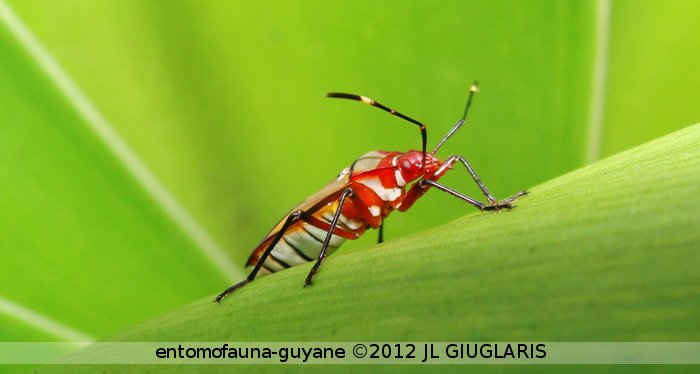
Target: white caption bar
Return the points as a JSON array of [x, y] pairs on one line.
[[226, 353]]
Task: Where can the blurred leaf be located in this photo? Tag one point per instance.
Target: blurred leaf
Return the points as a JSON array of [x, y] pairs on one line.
[[653, 77], [599, 254], [82, 244]]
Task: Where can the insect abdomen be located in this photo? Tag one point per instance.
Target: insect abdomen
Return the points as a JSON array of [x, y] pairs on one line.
[[300, 244]]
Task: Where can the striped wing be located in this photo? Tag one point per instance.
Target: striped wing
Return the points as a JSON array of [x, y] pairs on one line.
[[311, 205], [302, 241]]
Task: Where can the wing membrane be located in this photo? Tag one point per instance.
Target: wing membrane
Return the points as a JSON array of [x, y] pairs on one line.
[[320, 199]]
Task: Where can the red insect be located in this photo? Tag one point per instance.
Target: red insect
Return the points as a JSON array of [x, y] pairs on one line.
[[360, 197]]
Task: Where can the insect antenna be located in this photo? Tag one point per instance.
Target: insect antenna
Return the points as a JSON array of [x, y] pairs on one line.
[[472, 91], [367, 100]]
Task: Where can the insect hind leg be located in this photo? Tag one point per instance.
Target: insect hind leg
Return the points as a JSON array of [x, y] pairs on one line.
[[232, 289], [334, 223], [294, 217]]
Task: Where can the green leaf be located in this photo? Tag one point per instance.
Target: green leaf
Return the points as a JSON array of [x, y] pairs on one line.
[[654, 56], [605, 253]]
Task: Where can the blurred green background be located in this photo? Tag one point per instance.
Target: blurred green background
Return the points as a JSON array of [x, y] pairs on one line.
[[224, 102]]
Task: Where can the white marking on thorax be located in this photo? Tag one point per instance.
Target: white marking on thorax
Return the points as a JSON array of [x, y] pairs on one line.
[[375, 210], [386, 194], [399, 178], [398, 175]]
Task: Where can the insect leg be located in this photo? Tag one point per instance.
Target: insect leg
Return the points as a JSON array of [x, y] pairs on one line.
[[326, 242], [451, 160], [380, 239], [496, 205], [492, 200], [294, 217], [512, 198], [421, 188], [425, 183]]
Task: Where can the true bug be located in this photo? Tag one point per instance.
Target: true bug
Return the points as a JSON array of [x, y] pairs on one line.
[[360, 197]]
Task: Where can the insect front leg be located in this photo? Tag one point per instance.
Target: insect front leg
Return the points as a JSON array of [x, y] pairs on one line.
[[294, 217], [493, 203], [431, 180], [334, 223]]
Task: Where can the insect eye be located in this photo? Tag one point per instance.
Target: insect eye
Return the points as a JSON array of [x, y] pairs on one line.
[[406, 165]]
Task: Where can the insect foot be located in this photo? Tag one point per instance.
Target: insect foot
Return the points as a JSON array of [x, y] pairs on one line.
[[231, 290], [505, 203], [312, 273], [498, 206]]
